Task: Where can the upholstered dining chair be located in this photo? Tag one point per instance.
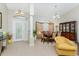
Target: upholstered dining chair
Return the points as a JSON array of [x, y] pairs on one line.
[[48, 36]]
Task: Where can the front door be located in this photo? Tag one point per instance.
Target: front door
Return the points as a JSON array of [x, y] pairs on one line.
[[19, 30]]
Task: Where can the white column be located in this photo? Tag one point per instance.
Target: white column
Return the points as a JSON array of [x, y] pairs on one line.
[[31, 40]]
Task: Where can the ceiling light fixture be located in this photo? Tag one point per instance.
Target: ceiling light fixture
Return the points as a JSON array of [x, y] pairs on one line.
[[56, 14], [19, 13]]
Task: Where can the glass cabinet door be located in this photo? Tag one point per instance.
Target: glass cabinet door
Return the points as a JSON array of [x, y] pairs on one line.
[[72, 27], [67, 27], [60, 27], [64, 27]]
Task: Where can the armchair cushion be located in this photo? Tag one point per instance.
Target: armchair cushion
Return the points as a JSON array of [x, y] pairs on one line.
[[65, 47], [70, 42]]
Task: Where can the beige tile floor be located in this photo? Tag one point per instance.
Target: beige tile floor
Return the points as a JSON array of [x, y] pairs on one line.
[[22, 48]]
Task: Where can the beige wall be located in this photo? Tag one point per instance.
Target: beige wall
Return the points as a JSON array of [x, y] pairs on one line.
[[72, 15], [4, 11]]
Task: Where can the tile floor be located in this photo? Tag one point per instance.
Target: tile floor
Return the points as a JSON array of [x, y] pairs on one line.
[[23, 49]]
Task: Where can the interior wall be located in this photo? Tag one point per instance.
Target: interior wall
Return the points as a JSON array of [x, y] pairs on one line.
[[10, 20], [72, 15], [4, 11]]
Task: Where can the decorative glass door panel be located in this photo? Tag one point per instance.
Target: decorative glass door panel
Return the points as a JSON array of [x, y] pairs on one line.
[[18, 30]]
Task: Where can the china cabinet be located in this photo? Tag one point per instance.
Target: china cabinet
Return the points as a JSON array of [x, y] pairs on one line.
[[68, 29]]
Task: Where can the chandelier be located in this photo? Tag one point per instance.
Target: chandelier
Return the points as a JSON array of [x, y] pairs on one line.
[[19, 13], [56, 14]]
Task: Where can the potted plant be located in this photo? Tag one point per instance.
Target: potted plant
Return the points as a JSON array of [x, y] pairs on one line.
[[34, 34]]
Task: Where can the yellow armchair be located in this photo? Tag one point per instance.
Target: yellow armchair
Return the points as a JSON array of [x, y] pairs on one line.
[[65, 46]]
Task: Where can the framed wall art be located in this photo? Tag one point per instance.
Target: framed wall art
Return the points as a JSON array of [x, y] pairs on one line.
[[0, 20]]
